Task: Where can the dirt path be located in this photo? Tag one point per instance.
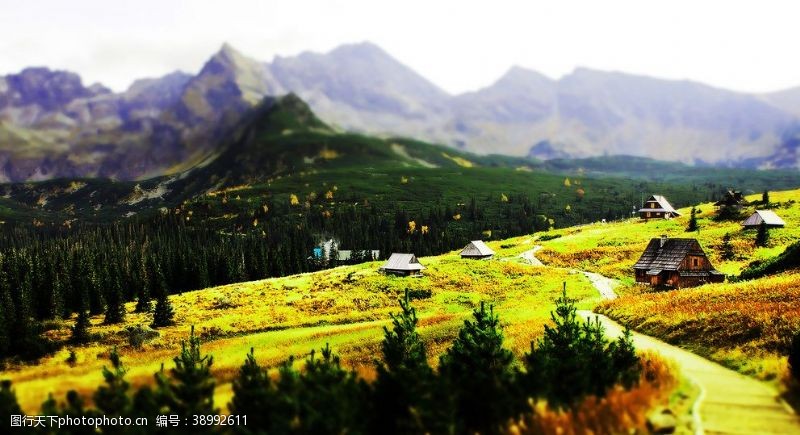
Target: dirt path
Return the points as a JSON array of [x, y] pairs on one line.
[[729, 402], [604, 285], [530, 256]]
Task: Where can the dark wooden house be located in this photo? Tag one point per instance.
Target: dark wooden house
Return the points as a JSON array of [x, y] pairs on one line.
[[477, 250], [732, 198], [403, 265], [657, 207], [675, 263]]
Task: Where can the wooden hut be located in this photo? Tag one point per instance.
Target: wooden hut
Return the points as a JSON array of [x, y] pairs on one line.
[[767, 216], [402, 265], [477, 250], [675, 263], [731, 198], [657, 207]]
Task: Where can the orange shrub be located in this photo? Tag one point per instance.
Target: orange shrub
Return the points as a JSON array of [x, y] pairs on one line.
[[619, 412]]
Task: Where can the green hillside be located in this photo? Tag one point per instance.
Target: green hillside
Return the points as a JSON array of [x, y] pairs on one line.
[[746, 325], [282, 148]]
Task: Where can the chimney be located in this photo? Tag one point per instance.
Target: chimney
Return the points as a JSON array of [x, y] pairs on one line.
[[663, 240]]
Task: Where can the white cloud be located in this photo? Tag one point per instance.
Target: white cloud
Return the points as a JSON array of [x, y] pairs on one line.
[[460, 45]]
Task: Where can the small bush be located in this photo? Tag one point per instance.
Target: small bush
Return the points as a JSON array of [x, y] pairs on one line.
[[72, 359], [788, 259], [419, 294], [546, 237], [139, 335], [223, 303]]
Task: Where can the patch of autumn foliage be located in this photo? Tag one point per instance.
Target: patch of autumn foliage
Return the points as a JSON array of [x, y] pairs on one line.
[[737, 324], [621, 411]]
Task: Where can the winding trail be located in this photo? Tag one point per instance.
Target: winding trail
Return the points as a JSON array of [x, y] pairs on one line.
[[530, 256], [729, 402]]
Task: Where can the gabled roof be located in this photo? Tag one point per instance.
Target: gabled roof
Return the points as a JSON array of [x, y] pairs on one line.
[[731, 197], [664, 205], [476, 248], [767, 216], [668, 257], [407, 262]]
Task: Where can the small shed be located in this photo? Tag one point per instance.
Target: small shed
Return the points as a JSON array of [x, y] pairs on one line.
[[657, 207], [675, 263], [767, 216], [477, 250], [403, 265]]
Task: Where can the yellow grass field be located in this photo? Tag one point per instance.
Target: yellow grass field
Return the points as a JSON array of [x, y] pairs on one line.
[[346, 307]]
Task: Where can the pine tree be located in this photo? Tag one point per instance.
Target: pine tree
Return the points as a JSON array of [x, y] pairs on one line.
[[478, 374], [794, 357], [80, 330], [163, 315], [112, 398], [191, 390], [400, 404], [330, 399], [765, 198], [727, 248], [8, 400], [762, 236], [253, 394], [115, 305], [143, 299], [6, 316], [555, 356], [574, 359], [692, 221], [624, 362]]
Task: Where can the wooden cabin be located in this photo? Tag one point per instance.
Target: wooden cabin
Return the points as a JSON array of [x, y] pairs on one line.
[[477, 250], [769, 217], [731, 198], [403, 265], [675, 263], [657, 207]]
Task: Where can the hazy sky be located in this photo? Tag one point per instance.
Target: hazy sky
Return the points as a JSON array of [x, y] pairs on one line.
[[459, 45]]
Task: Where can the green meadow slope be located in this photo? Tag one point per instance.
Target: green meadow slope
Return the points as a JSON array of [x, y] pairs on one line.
[[345, 306], [745, 325], [348, 306]]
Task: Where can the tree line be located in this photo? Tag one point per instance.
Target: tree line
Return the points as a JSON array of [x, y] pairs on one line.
[[53, 273], [477, 387]]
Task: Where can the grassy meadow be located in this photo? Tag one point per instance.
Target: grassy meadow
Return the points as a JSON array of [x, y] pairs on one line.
[[741, 324], [345, 306], [744, 325]]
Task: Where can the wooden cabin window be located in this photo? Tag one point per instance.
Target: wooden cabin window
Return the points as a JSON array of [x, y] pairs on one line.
[[695, 262], [648, 214]]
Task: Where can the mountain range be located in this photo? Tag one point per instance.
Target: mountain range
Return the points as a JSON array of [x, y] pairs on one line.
[[54, 126]]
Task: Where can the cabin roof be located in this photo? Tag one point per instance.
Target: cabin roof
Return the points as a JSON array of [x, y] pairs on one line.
[[665, 206], [731, 197], [476, 248], [767, 216], [669, 257], [406, 262]]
